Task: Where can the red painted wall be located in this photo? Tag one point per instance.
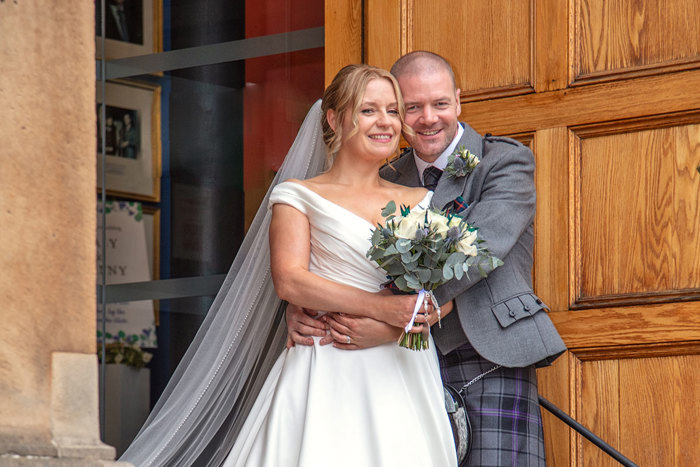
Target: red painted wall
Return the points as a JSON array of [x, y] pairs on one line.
[[279, 91]]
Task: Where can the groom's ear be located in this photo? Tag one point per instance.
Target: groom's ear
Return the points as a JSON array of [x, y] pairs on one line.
[[459, 106], [331, 118]]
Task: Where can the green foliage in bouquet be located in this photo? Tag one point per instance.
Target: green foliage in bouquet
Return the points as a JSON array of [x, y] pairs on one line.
[[423, 248], [124, 350]]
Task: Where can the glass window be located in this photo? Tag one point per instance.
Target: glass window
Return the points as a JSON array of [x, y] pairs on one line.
[[198, 103]]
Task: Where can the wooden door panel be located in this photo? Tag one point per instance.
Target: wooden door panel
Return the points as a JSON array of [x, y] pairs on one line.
[[500, 29], [598, 408], [551, 260], [605, 92], [616, 39], [644, 407], [558, 436], [638, 214]]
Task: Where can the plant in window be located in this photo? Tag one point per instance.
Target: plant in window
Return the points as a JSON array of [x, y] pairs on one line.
[[124, 350]]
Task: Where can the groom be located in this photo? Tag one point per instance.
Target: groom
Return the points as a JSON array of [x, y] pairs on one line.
[[494, 329]]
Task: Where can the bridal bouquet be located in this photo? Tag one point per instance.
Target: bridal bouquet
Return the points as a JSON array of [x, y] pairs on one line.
[[422, 249]]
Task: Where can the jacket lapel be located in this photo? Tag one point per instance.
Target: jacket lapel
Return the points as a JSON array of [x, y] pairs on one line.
[[402, 171], [450, 187]]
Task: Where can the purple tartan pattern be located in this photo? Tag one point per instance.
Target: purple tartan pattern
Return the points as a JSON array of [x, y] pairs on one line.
[[503, 409]]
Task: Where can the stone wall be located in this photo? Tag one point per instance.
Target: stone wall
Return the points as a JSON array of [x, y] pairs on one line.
[[48, 366]]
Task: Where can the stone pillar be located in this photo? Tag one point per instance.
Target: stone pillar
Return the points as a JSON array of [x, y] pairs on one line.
[[48, 364]]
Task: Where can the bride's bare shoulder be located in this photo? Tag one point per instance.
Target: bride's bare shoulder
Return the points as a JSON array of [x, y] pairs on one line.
[[411, 195], [310, 182]]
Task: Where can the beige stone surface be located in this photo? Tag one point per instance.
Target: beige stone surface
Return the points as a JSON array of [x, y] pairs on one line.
[[47, 207], [75, 407]]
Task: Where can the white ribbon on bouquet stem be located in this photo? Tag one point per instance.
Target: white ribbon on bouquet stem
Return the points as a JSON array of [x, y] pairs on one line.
[[422, 295], [419, 303]]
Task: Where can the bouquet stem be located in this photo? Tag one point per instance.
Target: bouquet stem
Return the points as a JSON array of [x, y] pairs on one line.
[[413, 340]]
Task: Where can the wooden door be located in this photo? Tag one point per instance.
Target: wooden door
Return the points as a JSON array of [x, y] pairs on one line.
[[607, 94]]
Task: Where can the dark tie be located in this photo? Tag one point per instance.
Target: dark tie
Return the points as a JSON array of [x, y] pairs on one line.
[[431, 175], [122, 25]]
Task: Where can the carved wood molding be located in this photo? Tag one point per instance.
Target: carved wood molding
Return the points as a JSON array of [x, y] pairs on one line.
[[664, 349], [632, 325], [629, 99], [649, 122], [496, 92], [583, 79]]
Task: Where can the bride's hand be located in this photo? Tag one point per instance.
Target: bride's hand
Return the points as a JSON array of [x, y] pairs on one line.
[[359, 331], [398, 310], [301, 324]]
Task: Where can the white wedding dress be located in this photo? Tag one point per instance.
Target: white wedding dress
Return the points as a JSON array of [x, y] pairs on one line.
[[321, 406]]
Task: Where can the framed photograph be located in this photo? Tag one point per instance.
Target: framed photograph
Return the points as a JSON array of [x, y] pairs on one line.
[[151, 221], [132, 27], [132, 142]]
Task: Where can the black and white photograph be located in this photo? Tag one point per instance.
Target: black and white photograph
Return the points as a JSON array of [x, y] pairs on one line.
[[123, 20], [132, 154], [132, 27], [122, 132]]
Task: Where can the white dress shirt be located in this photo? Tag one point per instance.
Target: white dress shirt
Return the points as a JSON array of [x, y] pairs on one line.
[[440, 162]]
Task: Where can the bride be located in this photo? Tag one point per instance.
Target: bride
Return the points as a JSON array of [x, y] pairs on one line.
[[317, 405]]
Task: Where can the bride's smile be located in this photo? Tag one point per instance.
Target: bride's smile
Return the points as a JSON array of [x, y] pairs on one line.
[[376, 134]]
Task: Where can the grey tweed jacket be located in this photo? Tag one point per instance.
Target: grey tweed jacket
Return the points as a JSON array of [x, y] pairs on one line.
[[499, 316]]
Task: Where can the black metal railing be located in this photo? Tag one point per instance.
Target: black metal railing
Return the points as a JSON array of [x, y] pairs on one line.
[[586, 433]]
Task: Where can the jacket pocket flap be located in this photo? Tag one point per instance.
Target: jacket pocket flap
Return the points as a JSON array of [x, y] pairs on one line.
[[521, 306]]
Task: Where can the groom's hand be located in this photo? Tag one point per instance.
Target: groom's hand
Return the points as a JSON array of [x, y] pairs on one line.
[[363, 332], [301, 324]]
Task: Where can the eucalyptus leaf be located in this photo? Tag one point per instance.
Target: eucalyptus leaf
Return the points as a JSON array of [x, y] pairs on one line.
[[401, 284], [414, 285], [456, 257], [410, 257], [391, 250], [403, 245], [389, 209], [459, 272], [394, 269], [424, 275], [376, 254], [447, 272]]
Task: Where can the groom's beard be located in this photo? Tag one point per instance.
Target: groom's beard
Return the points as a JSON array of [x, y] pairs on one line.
[[429, 148]]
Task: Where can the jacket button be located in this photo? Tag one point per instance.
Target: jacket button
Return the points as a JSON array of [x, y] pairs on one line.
[[539, 302], [526, 308], [511, 313]]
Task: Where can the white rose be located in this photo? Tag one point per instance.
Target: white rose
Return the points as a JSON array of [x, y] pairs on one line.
[[408, 225], [455, 221], [438, 222], [466, 245]]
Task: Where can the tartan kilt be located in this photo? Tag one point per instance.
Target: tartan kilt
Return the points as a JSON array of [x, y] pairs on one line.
[[503, 409]]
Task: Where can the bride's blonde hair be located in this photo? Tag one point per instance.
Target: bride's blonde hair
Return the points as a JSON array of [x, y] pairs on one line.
[[346, 92]]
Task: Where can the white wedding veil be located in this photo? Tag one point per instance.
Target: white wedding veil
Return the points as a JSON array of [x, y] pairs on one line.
[[203, 407]]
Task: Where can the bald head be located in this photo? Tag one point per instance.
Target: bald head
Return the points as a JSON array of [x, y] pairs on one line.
[[432, 102], [421, 62]]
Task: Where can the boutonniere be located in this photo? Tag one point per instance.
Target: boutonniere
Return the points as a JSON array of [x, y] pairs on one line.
[[461, 162]]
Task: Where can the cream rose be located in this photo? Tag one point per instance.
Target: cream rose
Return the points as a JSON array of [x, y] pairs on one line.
[[466, 245], [439, 223], [408, 225]]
